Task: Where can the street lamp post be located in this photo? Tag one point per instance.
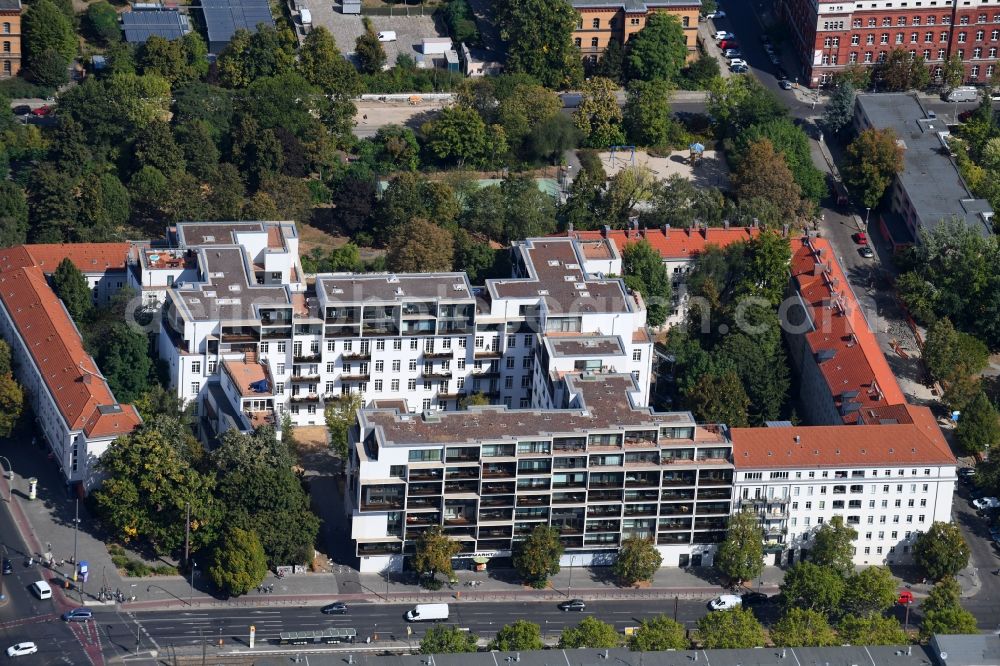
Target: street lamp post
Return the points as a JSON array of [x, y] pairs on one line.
[[868, 212], [572, 558], [194, 565], [10, 484], [76, 527]]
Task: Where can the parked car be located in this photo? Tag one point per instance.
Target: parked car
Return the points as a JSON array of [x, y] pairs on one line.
[[725, 602], [754, 598], [336, 608], [736, 62], [967, 474], [77, 615], [860, 238], [42, 111], [22, 110], [785, 84], [739, 69], [573, 605], [22, 649], [722, 34], [866, 252], [717, 14], [773, 57], [732, 53], [8, 567], [729, 43], [984, 503]]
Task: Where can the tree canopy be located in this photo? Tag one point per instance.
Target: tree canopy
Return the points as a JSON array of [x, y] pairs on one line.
[[434, 551], [941, 550], [833, 546], [537, 557], [800, 627], [873, 160], [646, 274], [659, 50], [538, 33], [638, 559], [812, 587], [590, 633], [238, 564], [440, 639], [741, 555], [70, 285], [731, 630], [659, 633], [519, 635]]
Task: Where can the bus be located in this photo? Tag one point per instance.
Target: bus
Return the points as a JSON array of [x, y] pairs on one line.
[[331, 635]]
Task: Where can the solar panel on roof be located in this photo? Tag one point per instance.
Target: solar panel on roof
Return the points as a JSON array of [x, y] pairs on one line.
[[225, 17]]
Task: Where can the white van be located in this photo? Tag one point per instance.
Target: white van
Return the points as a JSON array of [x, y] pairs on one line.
[[387, 36], [725, 602], [41, 589], [963, 94], [306, 16], [428, 613]]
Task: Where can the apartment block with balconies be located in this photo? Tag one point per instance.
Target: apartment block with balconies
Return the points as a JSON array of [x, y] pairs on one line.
[[599, 467]]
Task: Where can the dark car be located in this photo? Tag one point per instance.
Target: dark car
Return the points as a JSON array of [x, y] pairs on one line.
[[22, 110], [754, 598], [336, 608], [77, 615], [866, 252], [573, 605], [8, 567]]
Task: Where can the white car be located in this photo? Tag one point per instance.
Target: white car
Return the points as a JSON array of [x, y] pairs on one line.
[[22, 649], [984, 503], [725, 602], [718, 13], [738, 62], [722, 34]]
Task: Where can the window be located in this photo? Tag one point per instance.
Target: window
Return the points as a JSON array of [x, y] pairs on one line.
[[196, 367], [526, 363], [460, 363], [963, 20], [397, 344], [593, 42], [852, 57], [413, 344], [637, 355], [869, 39], [974, 72], [280, 369], [479, 342], [929, 37], [868, 56], [981, 18], [378, 385], [510, 362], [279, 388], [329, 388], [380, 345], [916, 20], [884, 39], [979, 35], [944, 38], [395, 365], [633, 21], [596, 23], [856, 23], [994, 35], [412, 365], [6, 28], [394, 385], [331, 367], [411, 384], [211, 367], [914, 36], [282, 347], [855, 40], [425, 404], [886, 22], [899, 38], [961, 37], [379, 366]]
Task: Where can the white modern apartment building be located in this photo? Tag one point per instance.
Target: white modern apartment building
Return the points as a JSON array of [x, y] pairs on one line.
[[248, 337], [599, 466], [888, 482]]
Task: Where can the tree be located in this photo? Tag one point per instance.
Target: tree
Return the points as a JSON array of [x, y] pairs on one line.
[[101, 21], [538, 35], [810, 586], [341, 414], [763, 173], [979, 426], [833, 546], [638, 559], [648, 121], [46, 27], [514, 209], [252, 56], [719, 399], [839, 111], [443, 640], [322, 64], [900, 72], [520, 635], [871, 630], [790, 141], [13, 214], [645, 273], [657, 634], [730, 630], [950, 354], [71, 287], [148, 485], [590, 633], [49, 68], [458, 133], [11, 403], [397, 148], [873, 160], [420, 246], [238, 564], [370, 54], [953, 71], [941, 550], [741, 101], [537, 557], [943, 613], [869, 591], [551, 138], [611, 64], [741, 555], [434, 552], [125, 362], [598, 116], [659, 50], [799, 627]]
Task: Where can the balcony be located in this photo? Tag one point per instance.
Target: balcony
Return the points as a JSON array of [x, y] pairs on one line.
[[604, 511], [423, 502], [640, 510], [488, 353], [433, 474], [357, 355], [341, 332], [437, 374], [306, 378], [303, 397], [669, 538], [311, 357], [382, 504], [459, 520], [457, 487], [499, 471], [390, 548], [277, 334], [486, 545], [495, 532], [458, 473], [444, 353], [498, 488], [569, 498], [355, 377], [497, 500], [533, 500], [605, 495], [423, 519], [496, 515]]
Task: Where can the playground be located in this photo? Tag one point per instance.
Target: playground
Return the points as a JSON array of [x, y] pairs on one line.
[[708, 170]]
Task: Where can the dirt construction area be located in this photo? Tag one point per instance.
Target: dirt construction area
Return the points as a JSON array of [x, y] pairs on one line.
[[373, 115], [710, 170]]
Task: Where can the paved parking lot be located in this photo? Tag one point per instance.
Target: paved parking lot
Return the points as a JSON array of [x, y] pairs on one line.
[[347, 28]]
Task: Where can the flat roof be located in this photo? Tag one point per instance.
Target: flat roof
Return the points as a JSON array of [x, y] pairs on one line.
[[930, 177], [845, 349], [195, 234], [604, 404], [393, 287], [228, 293], [140, 25], [918, 442], [224, 17], [553, 272], [584, 345], [244, 374]]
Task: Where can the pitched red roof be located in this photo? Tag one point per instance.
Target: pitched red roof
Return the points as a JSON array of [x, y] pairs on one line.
[[673, 243], [845, 349], [919, 442], [82, 395], [88, 257]]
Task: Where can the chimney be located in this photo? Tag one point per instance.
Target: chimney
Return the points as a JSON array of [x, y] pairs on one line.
[[666, 230], [642, 232], [704, 232], [725, 225], [569, 229], [605, 230], [784, 230]]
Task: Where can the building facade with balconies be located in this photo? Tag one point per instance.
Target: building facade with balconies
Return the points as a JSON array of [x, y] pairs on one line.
[[889, 482], [241, 325], [599, 467]]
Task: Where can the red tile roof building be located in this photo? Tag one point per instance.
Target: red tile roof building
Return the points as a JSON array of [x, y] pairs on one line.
[[75, 409]]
